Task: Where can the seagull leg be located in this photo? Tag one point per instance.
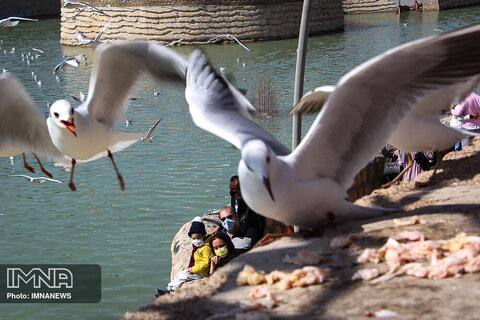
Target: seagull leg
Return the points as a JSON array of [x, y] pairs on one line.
[[400, 175], [41, 167], [119, 176], [317, 230], [71, 185], [25, 164], [270, 237]]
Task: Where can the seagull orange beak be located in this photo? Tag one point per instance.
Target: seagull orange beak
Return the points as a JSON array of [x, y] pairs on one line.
[[70, 125]]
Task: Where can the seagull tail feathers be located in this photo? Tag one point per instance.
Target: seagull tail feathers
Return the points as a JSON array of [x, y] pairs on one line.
[[124, 140], [121, 140]]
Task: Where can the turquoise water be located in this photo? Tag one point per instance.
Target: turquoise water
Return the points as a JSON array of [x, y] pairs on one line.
[[183, 173]]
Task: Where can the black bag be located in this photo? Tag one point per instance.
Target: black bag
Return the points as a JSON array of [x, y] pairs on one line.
[[423, 161]]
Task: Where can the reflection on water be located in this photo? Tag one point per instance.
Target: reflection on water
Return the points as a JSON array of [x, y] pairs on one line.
[[183, 173]]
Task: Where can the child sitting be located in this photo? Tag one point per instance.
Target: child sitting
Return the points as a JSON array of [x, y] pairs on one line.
[[199, 266]]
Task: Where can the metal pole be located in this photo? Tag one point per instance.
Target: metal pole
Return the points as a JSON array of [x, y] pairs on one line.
[[300, 72], [299, 76]]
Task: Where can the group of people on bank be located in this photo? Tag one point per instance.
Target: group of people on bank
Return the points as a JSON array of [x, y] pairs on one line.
[[241, 228]]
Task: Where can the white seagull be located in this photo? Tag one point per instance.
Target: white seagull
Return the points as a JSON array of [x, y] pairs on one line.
[[78, 4], [148, 137], [307, 187], [72, 61], [93, 41], [174, 42], [421, 129], [36, 179], [229, 36], [13, 21], [86, 133]]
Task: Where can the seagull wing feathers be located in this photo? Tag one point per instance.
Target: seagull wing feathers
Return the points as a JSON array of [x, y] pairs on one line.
[[370, 101], [22, 125], [118, 67], [216, 106]]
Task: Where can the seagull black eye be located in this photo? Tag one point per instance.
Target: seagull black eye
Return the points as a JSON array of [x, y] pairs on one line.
[[55, 114]]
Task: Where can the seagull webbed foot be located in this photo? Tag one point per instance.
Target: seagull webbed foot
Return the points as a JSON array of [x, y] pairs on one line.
[[72, 187]]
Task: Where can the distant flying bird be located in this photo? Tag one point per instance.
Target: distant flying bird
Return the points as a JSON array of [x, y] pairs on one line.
[[174, 42], [95, 41], [72, 61], [13, 21], [77, 4], [86, 132], [307, 187], [148, 137], [36, 179], [229, 36]]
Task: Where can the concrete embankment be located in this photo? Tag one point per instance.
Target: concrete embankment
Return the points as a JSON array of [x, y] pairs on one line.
[[199, 21]]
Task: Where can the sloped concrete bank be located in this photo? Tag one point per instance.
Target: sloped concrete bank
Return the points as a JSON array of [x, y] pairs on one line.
[[199, 21]]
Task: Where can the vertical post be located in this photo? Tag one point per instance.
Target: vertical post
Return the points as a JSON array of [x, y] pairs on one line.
[[300, 72], [299, 76]]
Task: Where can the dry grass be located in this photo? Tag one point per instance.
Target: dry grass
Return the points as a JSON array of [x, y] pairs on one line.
[[265, 97]]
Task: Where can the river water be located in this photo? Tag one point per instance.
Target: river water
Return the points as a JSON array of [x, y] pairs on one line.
[[183, 173]]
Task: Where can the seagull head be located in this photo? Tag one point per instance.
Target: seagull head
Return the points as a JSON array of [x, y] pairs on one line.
[[258, 158], [62, 114]]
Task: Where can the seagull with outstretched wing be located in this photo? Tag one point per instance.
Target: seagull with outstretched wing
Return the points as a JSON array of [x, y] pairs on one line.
[[93, 41], [307, 187], [228, 37], [86, 132], [36, 179], [13, 21], [78, 4]]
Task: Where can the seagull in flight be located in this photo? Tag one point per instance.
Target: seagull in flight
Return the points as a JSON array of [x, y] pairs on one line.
[[13, 21], [148, 137], [78, 4], [307, 187], [174, 42], [36, 179], [86, 132], [72, 61], [229, 36], [93, 41]]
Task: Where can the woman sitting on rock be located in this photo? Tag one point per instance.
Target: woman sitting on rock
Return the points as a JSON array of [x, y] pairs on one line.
[[224, 250]]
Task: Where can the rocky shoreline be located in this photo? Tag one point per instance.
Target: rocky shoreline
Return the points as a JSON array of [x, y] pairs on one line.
[[446, 201]]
